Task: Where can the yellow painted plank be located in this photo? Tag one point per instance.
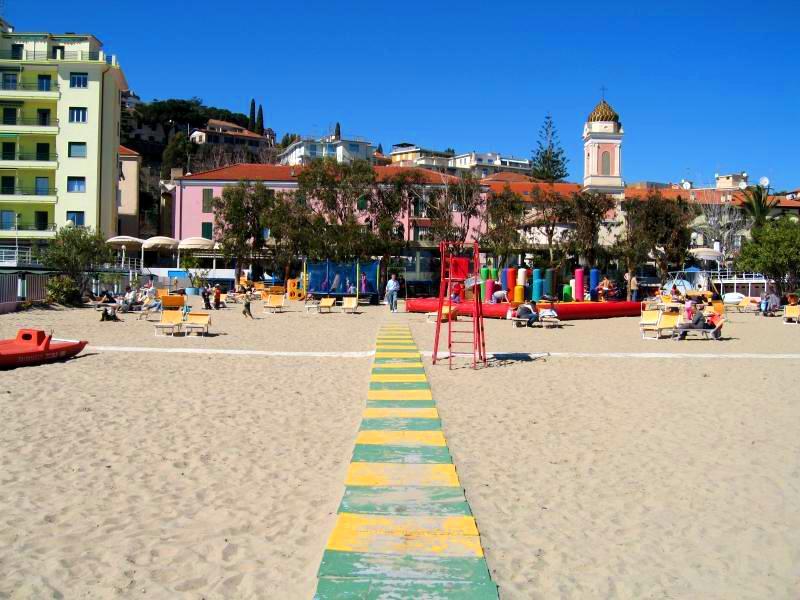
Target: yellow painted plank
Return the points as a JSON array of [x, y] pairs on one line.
[[349, 540], [408, 413], [398, 378], [403, 365], [395, 354], [388, 347], [399, 395], [390, 474], [400, 525], [401, 438]]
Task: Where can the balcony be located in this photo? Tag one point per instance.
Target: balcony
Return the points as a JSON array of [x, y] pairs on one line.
[[23, 194], [58, 55], [29, 125], [26, 231], [18, 90], [25, 160]]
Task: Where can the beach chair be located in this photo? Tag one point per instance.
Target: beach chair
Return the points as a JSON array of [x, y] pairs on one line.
[[161, 292], [448, 313], [150, 306], [274, 303], [548, 318], [718, 307], [667, 322], [326, 304], [311, 303], [649, 321], [746, 305], [171, 321], [791, 313], [197, 321], [349, 303]]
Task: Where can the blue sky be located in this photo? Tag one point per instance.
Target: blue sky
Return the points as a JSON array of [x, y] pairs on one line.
[[701, 87]]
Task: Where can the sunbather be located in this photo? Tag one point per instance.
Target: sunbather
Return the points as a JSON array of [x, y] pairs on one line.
[[698, 322]]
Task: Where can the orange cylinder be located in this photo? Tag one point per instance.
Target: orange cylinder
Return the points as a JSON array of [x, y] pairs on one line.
[[519, 293]]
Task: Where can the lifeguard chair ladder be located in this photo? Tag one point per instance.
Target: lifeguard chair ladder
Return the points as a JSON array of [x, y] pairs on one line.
[[457, 271]]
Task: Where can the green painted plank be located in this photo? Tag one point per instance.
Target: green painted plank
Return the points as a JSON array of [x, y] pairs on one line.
[[336, 563], [401, 403], [400, 424], [399, 385], [401, 454], [336, 588], [428, 501], [397, 359], [409, 371]]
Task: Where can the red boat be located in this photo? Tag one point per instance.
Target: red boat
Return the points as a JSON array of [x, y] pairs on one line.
[[34, 346], [567, 311]]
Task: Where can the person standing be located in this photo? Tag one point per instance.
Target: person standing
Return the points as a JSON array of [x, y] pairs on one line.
[[634, 283], [392, 288], [246, 310]]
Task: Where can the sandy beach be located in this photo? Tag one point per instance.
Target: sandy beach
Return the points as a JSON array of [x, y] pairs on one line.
[[168, 474]]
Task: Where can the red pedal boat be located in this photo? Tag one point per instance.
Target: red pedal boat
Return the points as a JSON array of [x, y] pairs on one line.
[[34, 346]]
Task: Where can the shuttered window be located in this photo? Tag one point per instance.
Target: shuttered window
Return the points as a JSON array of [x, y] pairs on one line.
[[207, 230], [208, 199]]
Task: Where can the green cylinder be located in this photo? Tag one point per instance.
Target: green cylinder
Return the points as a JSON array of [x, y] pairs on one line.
[[484, 277], [493, 273], [566, 293]]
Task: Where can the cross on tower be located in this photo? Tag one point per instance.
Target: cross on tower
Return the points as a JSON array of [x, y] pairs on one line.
[[603, 92]]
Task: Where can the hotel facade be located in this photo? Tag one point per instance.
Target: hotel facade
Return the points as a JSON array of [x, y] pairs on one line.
[[59, 134]]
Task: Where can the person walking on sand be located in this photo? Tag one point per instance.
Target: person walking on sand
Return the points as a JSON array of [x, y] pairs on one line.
[[246, 310], [392, 288]]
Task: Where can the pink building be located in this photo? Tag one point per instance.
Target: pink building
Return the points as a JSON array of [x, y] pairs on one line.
[[193, 196]]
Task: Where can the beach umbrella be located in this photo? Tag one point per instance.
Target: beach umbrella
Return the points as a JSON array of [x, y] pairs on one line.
[[160, 242], [124, 242], [196, 243], [706, 254]]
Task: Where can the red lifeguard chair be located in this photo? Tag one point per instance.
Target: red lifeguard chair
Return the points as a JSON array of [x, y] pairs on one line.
[[459, 271]]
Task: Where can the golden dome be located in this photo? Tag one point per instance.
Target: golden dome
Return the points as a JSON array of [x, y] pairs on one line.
[[603, 112]]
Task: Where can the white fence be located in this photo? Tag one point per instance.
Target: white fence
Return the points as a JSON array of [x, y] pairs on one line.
[[8, 292]]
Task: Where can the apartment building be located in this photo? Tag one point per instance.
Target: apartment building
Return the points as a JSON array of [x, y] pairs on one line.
[[59, 134], [308, 149], [224, 133], [483, 164]]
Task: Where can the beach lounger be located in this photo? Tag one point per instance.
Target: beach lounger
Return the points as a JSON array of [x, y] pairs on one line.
[[311, 303], [326, 304], [171, 321], [150, 306], [197, 321], [707, 334], [548, 318], [667, 323], [649, 321], [349, 303], [274, 303], [791, 313], [161, 292], [448, 312], [746, 305]]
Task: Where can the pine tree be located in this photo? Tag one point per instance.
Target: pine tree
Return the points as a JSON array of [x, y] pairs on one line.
[[260, 121], [251, 121], [380, 148], [337, 133], [549, 162]]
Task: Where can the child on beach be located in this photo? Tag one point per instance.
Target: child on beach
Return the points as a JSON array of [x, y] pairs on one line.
[[246, 310]]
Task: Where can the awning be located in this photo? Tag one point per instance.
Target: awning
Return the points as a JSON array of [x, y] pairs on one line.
[[706, 253], [125, 240], [160, 242], [196, 243]]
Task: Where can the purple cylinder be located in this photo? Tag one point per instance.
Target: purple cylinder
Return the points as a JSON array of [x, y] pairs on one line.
[[578, 293]]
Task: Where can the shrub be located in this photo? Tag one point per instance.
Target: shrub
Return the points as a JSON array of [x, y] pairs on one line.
[[63, 290]]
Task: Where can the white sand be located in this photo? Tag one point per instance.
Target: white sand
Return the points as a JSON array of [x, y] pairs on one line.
[[172, 475]]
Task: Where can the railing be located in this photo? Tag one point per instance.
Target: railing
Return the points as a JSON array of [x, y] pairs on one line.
[[74, 55], [29, 227], [35, 121], [11, 255], [27, 191], [36, 87], [28, 156]]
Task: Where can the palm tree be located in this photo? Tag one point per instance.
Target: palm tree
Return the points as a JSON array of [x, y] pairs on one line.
[[757, 204]]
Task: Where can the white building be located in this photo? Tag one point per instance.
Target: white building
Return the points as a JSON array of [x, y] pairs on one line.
[[224, 133], [483, 164], [305, 150], [406, 154]]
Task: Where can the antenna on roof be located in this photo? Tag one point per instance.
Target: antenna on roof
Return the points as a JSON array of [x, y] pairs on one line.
[[602, 89]]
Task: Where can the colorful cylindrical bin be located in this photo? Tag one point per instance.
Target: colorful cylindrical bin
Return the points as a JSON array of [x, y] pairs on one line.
[[519, 294], [503, 279], [578, 285], [538, 285], [484, 277], [537, 274], [511, 280], [489, 289], [549, 280], [493, 273], [572, 285], [522, 277], [566, 293]]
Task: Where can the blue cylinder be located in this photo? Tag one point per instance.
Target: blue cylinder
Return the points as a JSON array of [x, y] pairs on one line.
[[594, 281], [537, 274], [537, 286], [549, 276], [504, 278]]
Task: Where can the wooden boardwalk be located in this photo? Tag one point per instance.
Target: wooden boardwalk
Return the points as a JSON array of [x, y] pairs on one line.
[[404, 529]]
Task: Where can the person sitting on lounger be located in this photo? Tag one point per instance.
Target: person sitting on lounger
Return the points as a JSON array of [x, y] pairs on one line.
[[528, 311], [675, 294], [698, 322]]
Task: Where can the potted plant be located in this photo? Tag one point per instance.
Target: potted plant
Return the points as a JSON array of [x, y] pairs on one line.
[[189, 262]]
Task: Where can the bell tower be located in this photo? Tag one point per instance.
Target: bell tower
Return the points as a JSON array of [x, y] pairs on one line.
[[602, 151]]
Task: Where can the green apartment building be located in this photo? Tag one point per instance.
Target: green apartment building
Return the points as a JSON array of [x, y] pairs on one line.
[[59, 134]]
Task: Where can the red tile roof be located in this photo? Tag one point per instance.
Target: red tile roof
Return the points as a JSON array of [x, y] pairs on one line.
[[505, 176], [123, 151], [524, 189], [426, 175], [240, 131]]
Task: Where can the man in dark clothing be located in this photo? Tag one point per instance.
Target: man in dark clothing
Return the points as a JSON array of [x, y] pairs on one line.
[[528, 311], [698, 322]]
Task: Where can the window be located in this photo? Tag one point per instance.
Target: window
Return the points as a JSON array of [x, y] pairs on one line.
[[605, 163], [76, 216], [77, 149], [207, 230], [76, 184], [42, 186], [208, 199], [41, 219], [77, 114], [354, 148], [16, 51], [44, 83], [9, 81], [78, 80], [6, 219]]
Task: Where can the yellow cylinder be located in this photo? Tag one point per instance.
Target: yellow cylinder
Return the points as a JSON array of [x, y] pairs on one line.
[[519, 293]]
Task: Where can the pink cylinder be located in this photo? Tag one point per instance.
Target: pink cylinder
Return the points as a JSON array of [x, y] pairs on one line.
[[511, 280], [578, 293], [489, 290]]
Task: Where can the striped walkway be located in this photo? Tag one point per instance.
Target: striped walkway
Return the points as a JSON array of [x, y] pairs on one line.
[[404, 528]]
